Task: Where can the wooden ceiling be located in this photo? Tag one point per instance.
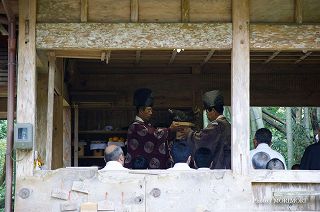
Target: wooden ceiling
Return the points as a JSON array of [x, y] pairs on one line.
[[182, 57]]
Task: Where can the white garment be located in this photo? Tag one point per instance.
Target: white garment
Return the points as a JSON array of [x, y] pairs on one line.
[[263, 147], [113, 165], [203, 169], [139, 119], [180, 166]]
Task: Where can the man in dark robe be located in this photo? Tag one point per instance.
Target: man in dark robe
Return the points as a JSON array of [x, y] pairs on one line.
[[217, 135], [311, 158], [146, 140]]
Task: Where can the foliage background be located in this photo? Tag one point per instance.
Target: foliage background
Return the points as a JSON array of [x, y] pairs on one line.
[[3, 137]]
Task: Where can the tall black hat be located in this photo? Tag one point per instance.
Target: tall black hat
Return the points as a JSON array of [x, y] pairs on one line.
[[143, 97], [212, 98]]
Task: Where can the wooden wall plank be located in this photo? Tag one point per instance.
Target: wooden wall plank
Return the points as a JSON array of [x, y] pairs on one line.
[[169, 36], [27, 81], [311, 11], [165, 11], [210, 11], [67, 136], [272, 11], [50, 110], [240, 87], [49, 11], [109, 11]]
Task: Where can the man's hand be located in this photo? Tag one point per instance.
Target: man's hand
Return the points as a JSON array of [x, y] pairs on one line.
[[175, 127]]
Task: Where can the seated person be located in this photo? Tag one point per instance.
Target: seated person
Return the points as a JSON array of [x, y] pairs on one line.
[[275, 164], [311, 157], [140, 162], [114, 158], [262, 143], [203, 159], [260, 160], [181, 156]]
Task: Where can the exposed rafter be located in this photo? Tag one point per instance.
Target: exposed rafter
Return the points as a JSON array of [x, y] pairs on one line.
[[303, 57], [173, 56], [134, 10], [211, 52], [84, 10], [271, 57], [185, 11], [138, 56], [298, 11]]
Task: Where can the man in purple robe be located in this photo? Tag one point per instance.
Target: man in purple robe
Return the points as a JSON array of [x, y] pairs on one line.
[[146, 140], [217, 135]]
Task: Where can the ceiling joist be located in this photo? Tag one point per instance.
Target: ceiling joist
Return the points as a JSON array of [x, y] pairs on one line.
[[272, 56], [303, 57]]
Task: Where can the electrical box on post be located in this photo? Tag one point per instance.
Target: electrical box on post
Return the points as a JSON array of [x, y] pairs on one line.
[[23, 136]]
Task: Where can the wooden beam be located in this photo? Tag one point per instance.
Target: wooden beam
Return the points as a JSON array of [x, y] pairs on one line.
[[57, 139], [303, 57], [134, 10], [52, 61], [240, 87], [156, 35], [84, 10], [271, 57], [298, 11], [26, 82], [108, 55], [138, 56], [277, 37], [3, 30], [185, 11], [173, 56], [172, 35], [208, 57]]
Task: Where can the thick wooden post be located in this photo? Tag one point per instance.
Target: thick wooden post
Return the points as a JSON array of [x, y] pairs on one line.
[[27, 81], [52, 62], [289, 136], [66, 136], [75, 131], [240, 80]]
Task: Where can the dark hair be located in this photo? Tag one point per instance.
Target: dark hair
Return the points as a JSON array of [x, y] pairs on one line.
[[295, 167], [203, 157], [180, 152], [260, 160], [114, 155], [140, 162], [138, 108], [218, 108], [275, 164], [263, 135]]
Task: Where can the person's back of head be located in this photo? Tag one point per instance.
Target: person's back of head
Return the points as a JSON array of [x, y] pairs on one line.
[[275, 164], [113, 153], [260, 160], [203, 158], [263, 135], [140, 162], [295, 167], [180, 153]]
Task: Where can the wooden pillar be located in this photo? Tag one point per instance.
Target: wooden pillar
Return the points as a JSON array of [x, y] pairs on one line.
[[26, 82], [66, 136], [289, 136], [240, 93], [75, 131], [52, 61], [57, 137]]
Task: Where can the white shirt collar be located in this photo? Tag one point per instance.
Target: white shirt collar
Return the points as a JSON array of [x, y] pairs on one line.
[[139, 119], [181, 166], [114, 165], [263, 146], [203, 169], [220, 117]]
